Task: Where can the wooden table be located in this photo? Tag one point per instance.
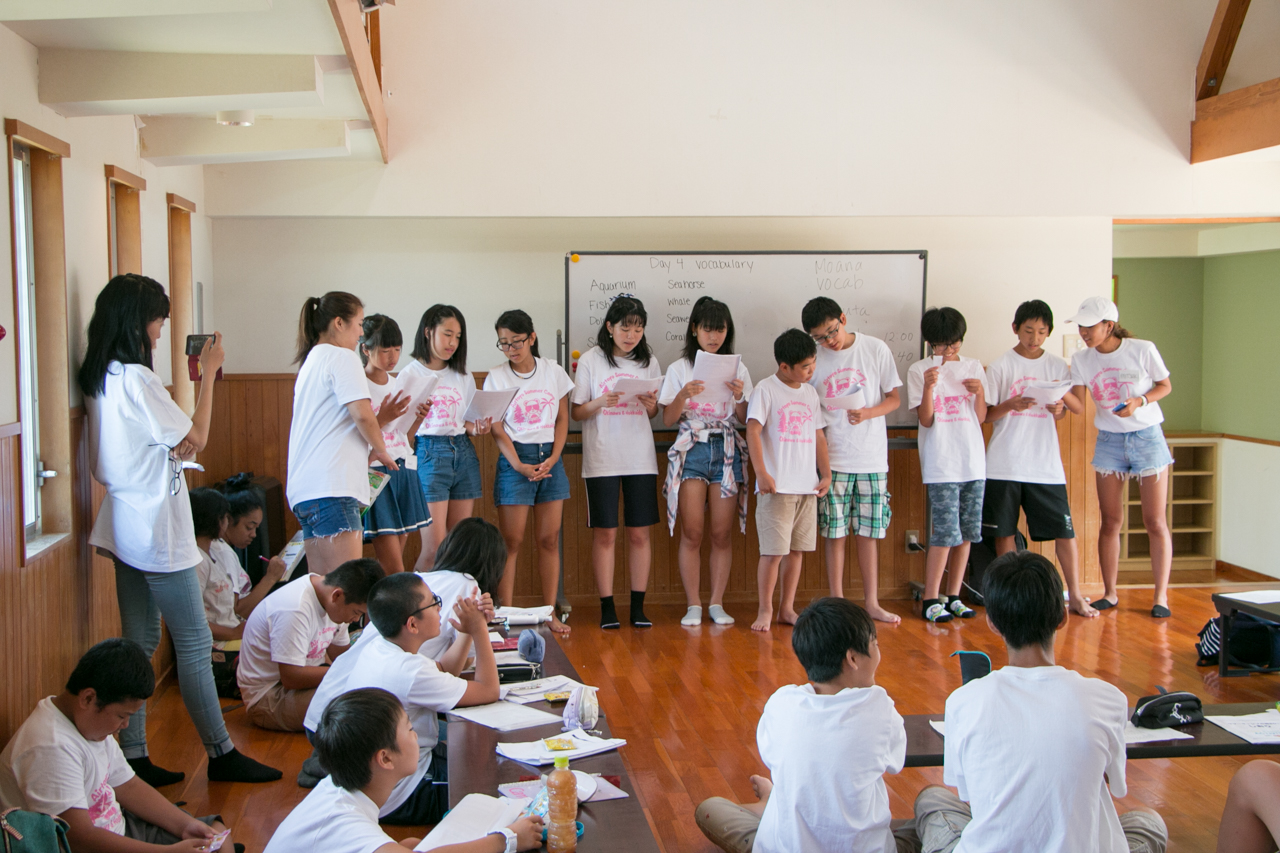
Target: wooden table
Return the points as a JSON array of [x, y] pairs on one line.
[[924, 745], [476, 767], [1228, 607]]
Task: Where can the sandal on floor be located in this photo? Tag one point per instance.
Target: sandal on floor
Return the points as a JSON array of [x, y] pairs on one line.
[[1102, 604], [1161, 612]]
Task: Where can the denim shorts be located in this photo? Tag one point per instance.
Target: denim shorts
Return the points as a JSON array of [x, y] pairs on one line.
[[325, 517], [705, 461], [513, 489], [448, 468], [1131, 454]]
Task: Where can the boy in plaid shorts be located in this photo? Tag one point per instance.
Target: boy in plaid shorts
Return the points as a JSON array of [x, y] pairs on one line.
[[857, 444]]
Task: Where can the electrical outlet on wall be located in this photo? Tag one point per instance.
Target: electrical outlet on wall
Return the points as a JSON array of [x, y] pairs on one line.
[[1071, 344]]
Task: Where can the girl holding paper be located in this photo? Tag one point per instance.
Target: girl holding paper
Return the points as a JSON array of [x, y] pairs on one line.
[[617, 451], [706, 465], [399, 509], [448, 468]]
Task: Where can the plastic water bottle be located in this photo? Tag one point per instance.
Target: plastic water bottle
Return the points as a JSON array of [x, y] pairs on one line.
[[562, 812]]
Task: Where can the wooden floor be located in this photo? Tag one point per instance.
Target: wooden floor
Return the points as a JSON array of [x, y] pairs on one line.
[[688, 700]]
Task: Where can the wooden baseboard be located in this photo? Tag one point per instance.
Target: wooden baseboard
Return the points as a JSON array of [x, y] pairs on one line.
[[1243, 574]]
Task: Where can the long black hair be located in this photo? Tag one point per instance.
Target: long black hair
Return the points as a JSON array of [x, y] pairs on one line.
[[318, 313], [432, 317], [625, 309], [519, 322], [710, 314], [474, 547], [208, 508], [378, 332], [118, 328]]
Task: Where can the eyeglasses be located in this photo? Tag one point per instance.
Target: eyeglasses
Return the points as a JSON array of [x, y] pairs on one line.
[[512, 346], [941, 348], [829, 336], [175, 468], [436, 601]]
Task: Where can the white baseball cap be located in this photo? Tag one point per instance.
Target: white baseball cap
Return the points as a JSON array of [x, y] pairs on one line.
[[1094, 310]]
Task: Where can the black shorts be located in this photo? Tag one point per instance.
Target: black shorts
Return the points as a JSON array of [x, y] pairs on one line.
[[639, 497], [1048, 510]]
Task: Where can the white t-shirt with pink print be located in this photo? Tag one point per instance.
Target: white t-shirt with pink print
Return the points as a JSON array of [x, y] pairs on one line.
[[616, 441], [869, 365], [1024, 445], [679, 373], [1131, 370], [449, 401], [531, 417], [952, 450], [397, 443], [791, 418]]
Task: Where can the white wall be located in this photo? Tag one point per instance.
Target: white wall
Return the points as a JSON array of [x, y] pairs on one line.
[[266, 267], [760, 108], [1247, 505], [95, 142]]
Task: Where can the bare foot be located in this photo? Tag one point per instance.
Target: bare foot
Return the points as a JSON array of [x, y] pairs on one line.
[[787, 617], [761, 786], [1081, 607], [879, 614], [558, 626], [763, 618]]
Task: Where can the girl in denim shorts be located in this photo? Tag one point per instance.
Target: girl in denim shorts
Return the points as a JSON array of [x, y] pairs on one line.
[[1125, 376], [531, 437]]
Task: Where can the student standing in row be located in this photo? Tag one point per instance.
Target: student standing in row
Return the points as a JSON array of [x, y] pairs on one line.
[[706, 465], [138, 439], [399, 509], [617, 452], [950, 401], [448, 468], [1126, 377], [332, 431], [1024, 465], [531, 438], [857, 445]]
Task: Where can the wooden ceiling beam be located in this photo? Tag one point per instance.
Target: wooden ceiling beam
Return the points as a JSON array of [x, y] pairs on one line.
[[1228, 18], [350, 22], [1244, 120]]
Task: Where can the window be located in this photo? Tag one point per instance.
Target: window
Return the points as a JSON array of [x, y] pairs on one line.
[[28, 371]]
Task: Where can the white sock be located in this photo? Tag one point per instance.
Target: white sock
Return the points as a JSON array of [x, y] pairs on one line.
[[692, 616], [718, 615]]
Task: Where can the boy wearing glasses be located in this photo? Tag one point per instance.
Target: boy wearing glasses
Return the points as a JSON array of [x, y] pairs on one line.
[[857, 444], [949, 396], [407, 614], [291, 637]]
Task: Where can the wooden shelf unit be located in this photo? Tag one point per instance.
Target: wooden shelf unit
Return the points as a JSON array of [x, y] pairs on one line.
[[1191, 514]]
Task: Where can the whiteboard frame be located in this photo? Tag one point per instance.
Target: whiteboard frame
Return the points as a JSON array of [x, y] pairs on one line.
[[565, 359]]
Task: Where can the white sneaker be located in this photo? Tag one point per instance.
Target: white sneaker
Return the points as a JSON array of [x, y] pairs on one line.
[[718, 615], [692, 617]]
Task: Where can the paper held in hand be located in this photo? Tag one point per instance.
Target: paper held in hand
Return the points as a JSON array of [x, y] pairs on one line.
[[489, 404], [472, 819], [715, 372], [630, 389], [856, 400], [1046, 393], [418, 389]]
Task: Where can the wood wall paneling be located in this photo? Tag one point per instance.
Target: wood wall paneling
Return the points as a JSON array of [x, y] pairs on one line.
[[181, 316]]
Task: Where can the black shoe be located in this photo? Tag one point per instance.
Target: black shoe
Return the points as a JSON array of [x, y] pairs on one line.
[[638, 619], [238, 767], [154, 776], [1161, 612], [608, 615]]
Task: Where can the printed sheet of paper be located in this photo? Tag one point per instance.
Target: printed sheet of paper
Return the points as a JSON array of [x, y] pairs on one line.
[[1257, 596], [1133, 734], [715, 372], [418, 389], [535, 691], [1045, 393], [535, 753], [505, 716], [630, 389], [490, 404], [473, 818], [856, 400], [1254, 728]]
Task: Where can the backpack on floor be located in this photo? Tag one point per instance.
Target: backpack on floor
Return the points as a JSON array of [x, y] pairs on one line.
[[1253, 644], [981, 554], [32, 832]]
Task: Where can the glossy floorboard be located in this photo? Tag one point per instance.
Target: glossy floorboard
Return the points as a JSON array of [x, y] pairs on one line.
[[688, 700]]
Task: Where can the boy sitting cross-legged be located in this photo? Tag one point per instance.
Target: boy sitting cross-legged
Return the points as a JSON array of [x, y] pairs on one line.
[[1033, 747], [64, 761], [366, 741], [827, 745]]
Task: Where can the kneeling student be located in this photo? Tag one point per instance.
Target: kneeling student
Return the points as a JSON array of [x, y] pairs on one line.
[[366, 740], [1033, 747], [407, 614], [291, 636], [64, 761], [828, 745]]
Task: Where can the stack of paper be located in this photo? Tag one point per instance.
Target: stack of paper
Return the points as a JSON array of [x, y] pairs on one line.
[[630, 389], [1133, 734], [505, 716], [715, 372], [535, 691], [489, 405], [1257, 596], [535, 753], [472, 819], [1254, 728], [525, 615]]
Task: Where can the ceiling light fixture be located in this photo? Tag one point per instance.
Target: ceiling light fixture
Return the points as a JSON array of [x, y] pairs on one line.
[[235, 118]]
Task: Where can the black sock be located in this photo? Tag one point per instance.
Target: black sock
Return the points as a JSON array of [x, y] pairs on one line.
[[638, 619], [154, 776], [608, 616], [237, 767]]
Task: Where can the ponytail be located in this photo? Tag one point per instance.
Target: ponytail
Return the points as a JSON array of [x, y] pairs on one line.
[[318, 314], [1120, 332]]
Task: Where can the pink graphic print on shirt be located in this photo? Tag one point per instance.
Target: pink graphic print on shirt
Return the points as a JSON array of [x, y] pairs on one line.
[[446, 405], [103, 809], [1107, 389], [842, 381], [951, 408], [320, 645], [606, 387], [1016, 389], [793, 421], [533, 410]]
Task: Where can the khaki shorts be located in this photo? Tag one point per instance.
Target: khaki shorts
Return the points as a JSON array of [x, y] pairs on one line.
[[281, 710], [786, 523], [733, 828], [941, 817]]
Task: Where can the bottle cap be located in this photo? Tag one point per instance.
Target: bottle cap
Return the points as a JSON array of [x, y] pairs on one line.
[[562, 762]]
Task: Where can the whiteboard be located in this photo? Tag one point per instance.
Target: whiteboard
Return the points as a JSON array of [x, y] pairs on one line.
[[882, 293]]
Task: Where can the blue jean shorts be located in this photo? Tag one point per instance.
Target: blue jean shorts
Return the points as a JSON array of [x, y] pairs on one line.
[[325, 517], [514, 489], [705, 461], [1132, 454], [448, 468]]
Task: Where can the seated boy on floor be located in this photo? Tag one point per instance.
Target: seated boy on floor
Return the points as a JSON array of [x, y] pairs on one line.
[[291, 637], [827, 744], [366, 740], [407, 614], [1032, 747], [64, 761]]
